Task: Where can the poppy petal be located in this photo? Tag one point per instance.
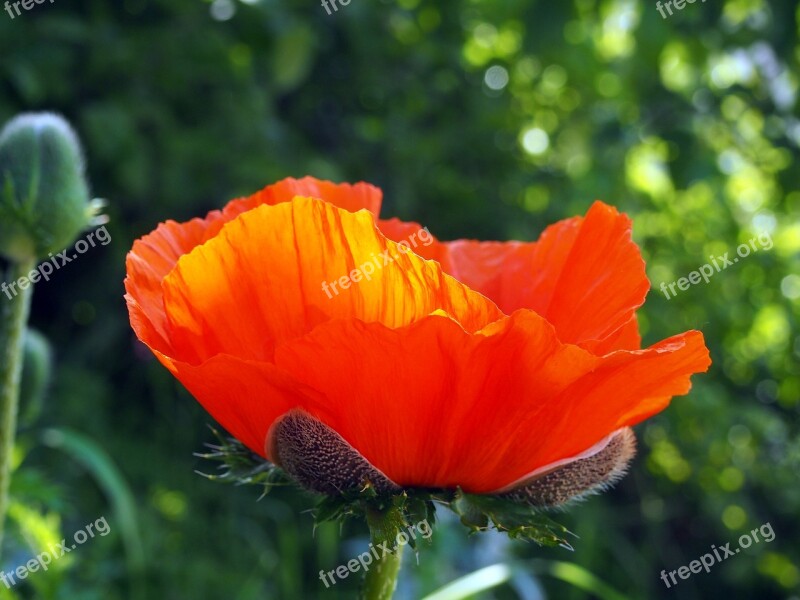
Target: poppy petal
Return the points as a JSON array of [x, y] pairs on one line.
[[584, 275], [626, 388], [350, 197], [156, 254], [625, 338], [324, 263], [149, 261], [244, 397], [426, 246], [432, 405], [283, 304]]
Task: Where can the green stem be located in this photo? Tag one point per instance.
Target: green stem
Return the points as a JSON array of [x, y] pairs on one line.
[[381, 579], [13, 321]]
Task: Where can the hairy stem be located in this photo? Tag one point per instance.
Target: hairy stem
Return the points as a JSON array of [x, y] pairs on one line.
[[381, 579], [15, 304]]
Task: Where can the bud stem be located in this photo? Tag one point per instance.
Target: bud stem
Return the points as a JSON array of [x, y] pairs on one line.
[[13, 320], [381, 579]]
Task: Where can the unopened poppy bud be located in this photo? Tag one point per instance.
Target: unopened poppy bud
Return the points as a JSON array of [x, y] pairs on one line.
[[44, 196], [36, 371]]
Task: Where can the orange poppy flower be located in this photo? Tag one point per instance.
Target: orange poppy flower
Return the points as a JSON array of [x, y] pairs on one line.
[[471, 364]]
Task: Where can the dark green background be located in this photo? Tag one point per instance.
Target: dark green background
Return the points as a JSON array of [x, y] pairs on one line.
[[689, 124]]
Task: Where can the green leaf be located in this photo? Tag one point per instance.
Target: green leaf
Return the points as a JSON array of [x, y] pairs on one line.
[[294, 53], [240, 465], [100, 465], [479, 581], [471, 515], [519, 521], [494, 576], [578, 577], [385, 523]]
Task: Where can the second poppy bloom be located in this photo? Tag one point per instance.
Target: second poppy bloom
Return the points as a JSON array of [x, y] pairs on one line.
[[493, 367]]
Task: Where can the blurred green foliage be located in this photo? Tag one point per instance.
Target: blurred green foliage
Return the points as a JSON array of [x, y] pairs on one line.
[[487, 119]]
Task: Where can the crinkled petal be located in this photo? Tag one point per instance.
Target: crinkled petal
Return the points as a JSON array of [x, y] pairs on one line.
[[156, 254], [585, 275], [323, 263], [432, 405], [420, 241], [245, 397], [282, 302], [350, 197]]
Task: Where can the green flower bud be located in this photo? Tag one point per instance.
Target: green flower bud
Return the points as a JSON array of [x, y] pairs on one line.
[[44, 196], [36, 372]]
